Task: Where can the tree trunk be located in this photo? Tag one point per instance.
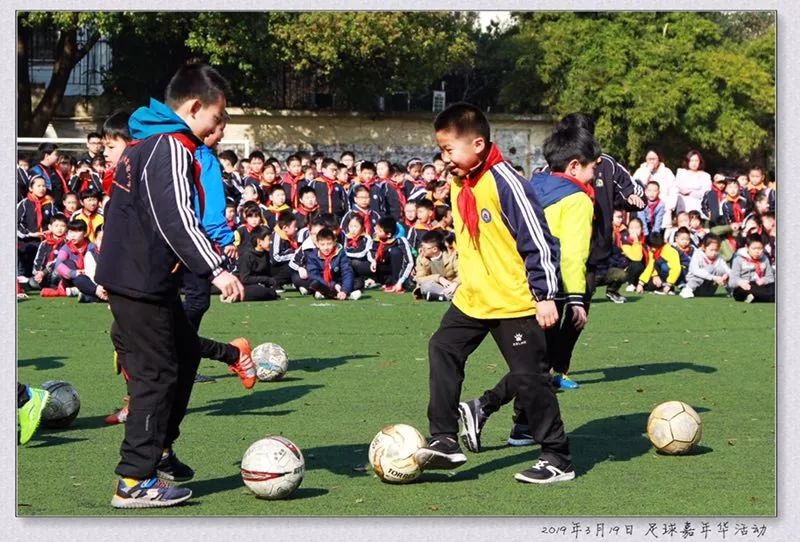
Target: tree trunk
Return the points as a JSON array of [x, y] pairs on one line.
[[68, 54]]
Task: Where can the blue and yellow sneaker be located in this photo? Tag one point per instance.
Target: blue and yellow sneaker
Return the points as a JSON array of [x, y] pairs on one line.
[[564, 382], [30, 414], [149, 493]]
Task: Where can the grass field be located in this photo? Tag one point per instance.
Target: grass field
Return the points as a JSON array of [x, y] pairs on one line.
[[357, 366]]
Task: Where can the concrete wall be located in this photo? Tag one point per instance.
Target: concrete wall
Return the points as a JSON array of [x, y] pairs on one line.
[[396, 137]]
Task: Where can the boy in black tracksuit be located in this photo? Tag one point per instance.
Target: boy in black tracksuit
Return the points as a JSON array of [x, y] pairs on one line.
[[284, 246], [392, 261], [152, 230], [331, 197], [254, 267]]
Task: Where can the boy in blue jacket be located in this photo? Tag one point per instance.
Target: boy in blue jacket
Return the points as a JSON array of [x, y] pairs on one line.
[[329, 270]]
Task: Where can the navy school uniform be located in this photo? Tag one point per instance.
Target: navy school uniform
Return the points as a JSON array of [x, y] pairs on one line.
[[359, 250], [394, 261], [370, 217], [331, 197], [377, 197], [340, 268]]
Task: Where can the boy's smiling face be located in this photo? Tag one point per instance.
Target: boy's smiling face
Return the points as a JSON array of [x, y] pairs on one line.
[[459, 151]]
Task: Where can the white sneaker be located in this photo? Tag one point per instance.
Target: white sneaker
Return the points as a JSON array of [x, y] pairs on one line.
[[369, 283], [318, 295], [72, 292], [749, 298], [355, 295], [687, 293], [303, 290], [630, 288]]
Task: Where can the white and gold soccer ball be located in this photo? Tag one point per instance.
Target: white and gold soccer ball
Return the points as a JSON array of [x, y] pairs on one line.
[[273, 467], [391, 453], [674, 428], [271, 361]]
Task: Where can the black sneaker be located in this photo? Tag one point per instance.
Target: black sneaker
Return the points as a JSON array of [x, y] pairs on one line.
[[440, 453], [472, 419], [172, 469], [545, 473], [520, 436], [615, 297], [202, 379]]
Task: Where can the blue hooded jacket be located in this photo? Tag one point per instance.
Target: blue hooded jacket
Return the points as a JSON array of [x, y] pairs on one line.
[[158, 118]]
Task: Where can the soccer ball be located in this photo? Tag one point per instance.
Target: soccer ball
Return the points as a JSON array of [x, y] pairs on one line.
[[63, 405], [273, 467], [674, 428], [271, 361], [391, 453]]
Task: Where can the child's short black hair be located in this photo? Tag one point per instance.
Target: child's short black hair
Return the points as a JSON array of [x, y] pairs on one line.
[[425, 204], [230, 156], [568, 144], [92, 135], [653, 183], [285, 219], [360, 188], [577, 120], [396, 168], [277, 188], [59, 217], [318, 154], [683, 230], [33, 178], [305, 190], [250, 208], [257, 154], [196, 81], [368, 166], [230, 204], [463, 119], [655, 239], [89, 194], [428, 166], [434, 237], [768, 214], [303, 155], [695, 214], [357, 218], [327, 220], [77, 225], [351, 154], [258, 234], [753, 238], [293, 158], [328, 161], [711, 238], [388, 225], [326, 233], [116, 126]]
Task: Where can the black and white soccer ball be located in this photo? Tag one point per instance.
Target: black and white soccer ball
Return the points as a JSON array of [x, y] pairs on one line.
[[63, 405]]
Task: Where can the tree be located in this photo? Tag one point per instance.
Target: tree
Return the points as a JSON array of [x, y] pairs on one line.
[[68, 51], [670, 80]]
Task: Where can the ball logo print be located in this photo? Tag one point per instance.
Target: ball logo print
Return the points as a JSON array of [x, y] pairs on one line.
[[391, 453], [273, 467]]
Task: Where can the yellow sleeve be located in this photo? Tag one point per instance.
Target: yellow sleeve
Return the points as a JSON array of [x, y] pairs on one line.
[[632, 252], [673, 260], [647, 274], [571, 221], [236, 238]]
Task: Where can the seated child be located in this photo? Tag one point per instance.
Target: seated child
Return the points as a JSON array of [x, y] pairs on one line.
[[277, 205], [735, 206], [90, 201], [408, 220], [358, 247], [251, 218], [308, 242], [683, 244], [633, 248], [33, 216], [707, 271], [752, 278], [307, 207], [652, 216], [696, 227], [662, 267], [284, 246], [423, 224], [254, 267], [436, 270], [230, 216], [361, 207], [44, 275], [70, 263], [614, 275], [392, 261], [329, 270]]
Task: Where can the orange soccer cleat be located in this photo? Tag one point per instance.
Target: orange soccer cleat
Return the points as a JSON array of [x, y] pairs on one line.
[[245, 367]]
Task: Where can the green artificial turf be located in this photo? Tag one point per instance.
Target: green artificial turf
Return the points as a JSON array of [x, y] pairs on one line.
[[357, 366]]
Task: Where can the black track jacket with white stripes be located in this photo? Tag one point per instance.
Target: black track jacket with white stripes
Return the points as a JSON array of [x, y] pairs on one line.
[[151, 224]]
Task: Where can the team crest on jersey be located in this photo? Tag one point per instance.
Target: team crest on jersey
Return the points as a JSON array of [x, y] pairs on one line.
[[486, 216]]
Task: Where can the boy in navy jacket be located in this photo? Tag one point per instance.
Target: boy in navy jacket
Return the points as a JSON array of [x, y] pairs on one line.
[[329, 269]]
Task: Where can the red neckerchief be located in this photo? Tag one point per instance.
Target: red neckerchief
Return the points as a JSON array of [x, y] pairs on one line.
[[37, 208], [60, 176], [400, 194], [108, 179], [467, 207], [79, 251], [754, 192], [231, 223], [329, 184], [327, 272], [618, 229], [586, 188], [757, 264], [86, 181], [657, 253], [259, 176], [52, 240], [418, 182], [736, 205], [708, 261], [720, 193], [352, 242], [248, 228], [292, 182], [380, 254], [651, 211], [367, 216], [89, 223], [369, 184], [408, 223], [282, 235], [303, 210], [191, 145]]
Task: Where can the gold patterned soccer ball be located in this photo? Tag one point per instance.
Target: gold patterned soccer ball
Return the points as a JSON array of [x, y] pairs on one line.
[[391, 453], [674, 428]]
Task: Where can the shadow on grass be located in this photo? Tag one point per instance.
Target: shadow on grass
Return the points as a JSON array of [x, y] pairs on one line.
[[613, 374], [256, 402], [600, 299], [45, 438], [234, 481], [313, 365], [41, 364]]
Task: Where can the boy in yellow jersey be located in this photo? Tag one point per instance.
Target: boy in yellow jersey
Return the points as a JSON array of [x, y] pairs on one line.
[[508, 266], [567, 196]]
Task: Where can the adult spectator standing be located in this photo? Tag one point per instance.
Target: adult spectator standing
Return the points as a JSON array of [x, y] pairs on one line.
[[94, 147], [151, 230], [692, 183], [654, 169]]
